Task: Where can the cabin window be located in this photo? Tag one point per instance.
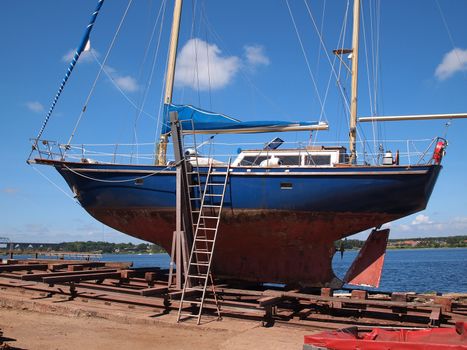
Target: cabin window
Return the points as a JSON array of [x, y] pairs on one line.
[[286, 186], [315, 159], [289, 160], [256, 160], [252, 160]]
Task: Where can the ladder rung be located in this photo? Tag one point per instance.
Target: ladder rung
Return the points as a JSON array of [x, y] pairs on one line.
[[202, 251], [188, 315], [213, 195], [195, 199], [209, 217], [196, 289], [211, 206], [207, 228], [200, 264], [192, 172], [197, 276], [191, 301], [196, 185], [204, 240], [215, 184]]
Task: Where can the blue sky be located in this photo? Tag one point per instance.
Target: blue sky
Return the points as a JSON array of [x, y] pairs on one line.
[[257, 70]]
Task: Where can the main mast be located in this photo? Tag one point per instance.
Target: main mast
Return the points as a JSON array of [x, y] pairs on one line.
[[354, 84], [169, 80]]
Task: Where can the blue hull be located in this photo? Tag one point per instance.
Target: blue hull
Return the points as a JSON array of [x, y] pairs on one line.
[[278, 225]]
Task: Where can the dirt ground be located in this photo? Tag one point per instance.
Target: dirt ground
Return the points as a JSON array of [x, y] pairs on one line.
[[35, 322]]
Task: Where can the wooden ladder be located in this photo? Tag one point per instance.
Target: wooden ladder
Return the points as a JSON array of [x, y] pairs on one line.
[[206, 226]]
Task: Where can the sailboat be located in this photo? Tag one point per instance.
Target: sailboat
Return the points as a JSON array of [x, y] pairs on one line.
[[282, 209]]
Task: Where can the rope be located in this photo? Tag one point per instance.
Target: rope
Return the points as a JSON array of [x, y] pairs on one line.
[[100, 71], [121, 181]]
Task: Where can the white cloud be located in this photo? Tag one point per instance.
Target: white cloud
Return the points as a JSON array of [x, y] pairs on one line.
[[35, 106], [421, 219], [85, 57], [201, 65], [126, 83], [454, 61], [255, 55]]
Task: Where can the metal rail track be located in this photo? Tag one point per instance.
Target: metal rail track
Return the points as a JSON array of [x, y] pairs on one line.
[[147, 287]]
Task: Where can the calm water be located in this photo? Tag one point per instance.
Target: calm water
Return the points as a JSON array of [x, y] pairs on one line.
[[418, 270]]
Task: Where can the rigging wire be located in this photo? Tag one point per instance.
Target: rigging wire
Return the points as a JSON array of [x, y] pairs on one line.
[[151, 74], [449, 34], [54, 184], [112, 80], [82, 47], [242, 70], [99, 72], [305, 56], [369, 73], [331, 64], [329, 60], [207, 57]]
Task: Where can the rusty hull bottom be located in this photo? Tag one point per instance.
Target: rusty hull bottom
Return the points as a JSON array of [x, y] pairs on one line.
[[294, 248]]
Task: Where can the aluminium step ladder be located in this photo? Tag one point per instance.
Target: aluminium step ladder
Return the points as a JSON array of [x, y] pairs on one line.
[[206, 226]]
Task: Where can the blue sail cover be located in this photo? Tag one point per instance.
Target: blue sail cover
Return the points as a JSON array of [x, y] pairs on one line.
[[196, 120]]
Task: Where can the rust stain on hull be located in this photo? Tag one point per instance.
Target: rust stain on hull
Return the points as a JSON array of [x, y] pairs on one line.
[[255, 245]]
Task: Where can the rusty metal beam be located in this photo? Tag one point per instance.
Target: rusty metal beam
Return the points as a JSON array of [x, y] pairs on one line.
[[153, 291], [82, 277], [40, 276], [23, 267]]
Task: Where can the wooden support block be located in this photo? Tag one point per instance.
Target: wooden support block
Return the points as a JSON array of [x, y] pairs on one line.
[[435, 316], [126, 274], [54, 267], [444, 302], [266, 301], [336, 304], [327, 292], [150, 277], [359, 294], [302, 314], [11, 261], [72, 268], [397, 296]]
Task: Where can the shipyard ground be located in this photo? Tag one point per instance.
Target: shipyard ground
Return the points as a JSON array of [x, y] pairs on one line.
[[76, 304], [31, 321]]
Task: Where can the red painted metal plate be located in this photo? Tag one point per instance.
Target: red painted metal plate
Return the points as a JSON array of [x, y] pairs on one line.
[[368, 265]]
